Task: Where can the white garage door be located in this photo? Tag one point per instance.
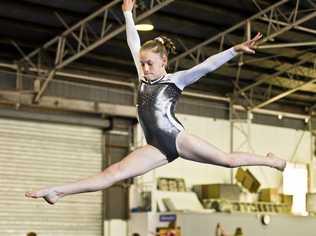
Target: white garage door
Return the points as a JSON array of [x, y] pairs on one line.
[[34, 155]]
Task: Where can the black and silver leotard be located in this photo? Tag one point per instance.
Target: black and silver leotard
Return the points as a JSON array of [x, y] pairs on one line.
[[156, 101]]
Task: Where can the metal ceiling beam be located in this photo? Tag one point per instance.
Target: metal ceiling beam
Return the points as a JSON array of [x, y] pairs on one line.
[[291, 21], [285, 69], [282, 95], [297, 27], [291, 18], [274, 80], [285, 82], [287, 45], [265, 63], [288, 27], [85, 38], [196, 53], [208, 50], [274, 29], [309, 73], [221, 36]]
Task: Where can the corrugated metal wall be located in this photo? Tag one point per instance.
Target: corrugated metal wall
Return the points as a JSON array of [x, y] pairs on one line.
[[72, 90], [34, 155]]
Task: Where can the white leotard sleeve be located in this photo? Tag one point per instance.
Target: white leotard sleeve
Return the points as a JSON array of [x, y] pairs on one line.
[[133, 40], [187, 77]]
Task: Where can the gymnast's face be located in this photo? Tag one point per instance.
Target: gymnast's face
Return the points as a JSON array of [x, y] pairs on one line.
[[153, 64]]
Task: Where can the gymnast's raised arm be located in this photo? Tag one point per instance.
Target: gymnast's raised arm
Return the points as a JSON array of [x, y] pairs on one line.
[[132, 36], [187, 77]]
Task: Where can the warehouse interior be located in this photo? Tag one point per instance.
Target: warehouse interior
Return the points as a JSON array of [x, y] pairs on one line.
[[68, 91]]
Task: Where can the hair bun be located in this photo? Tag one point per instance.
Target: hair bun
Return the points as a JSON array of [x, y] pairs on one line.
[[160, 40], [168, 44], [161, 45]]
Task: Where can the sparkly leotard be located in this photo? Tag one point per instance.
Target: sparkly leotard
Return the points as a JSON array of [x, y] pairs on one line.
[[156, 104], [156, 100]]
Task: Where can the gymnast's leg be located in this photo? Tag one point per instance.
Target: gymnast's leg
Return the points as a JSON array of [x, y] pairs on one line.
[[136, 163], [193, 148]]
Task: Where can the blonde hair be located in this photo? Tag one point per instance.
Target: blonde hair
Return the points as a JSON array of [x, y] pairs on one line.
[[161, 45]]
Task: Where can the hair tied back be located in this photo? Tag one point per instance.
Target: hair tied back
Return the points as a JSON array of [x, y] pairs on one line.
[[159, 39]]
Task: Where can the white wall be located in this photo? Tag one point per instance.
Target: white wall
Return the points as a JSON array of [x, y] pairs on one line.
[[115, 228], [290, 144]]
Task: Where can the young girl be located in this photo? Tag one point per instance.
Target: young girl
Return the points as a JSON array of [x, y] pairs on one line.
[[157, 96]]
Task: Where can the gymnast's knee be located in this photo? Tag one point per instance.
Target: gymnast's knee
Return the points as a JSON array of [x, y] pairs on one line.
[[115, 171], [230, 160]]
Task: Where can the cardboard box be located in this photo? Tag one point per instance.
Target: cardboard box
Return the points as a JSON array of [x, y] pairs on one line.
[[269, 195], [171, 184], [169, 232], [247, 180], [240, 175], [286, 199], [251, 182], [223, 191]]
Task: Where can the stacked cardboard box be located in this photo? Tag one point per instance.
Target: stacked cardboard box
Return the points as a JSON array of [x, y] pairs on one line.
[[286, 199], [247, 180], [169, 231], [223, 191], [269, 195], [272, 195]]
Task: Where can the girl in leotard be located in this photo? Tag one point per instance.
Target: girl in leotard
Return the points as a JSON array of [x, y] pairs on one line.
[[166, 138]]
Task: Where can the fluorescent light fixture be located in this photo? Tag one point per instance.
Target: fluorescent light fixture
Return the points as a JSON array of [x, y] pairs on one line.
[[145, 25]]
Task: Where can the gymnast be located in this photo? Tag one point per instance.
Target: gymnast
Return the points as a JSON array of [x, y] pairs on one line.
[[166, 138]]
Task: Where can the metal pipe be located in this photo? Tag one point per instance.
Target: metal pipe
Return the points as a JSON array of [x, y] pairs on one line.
[[275, 113], [286, 45], [301, 28], [205, 96]]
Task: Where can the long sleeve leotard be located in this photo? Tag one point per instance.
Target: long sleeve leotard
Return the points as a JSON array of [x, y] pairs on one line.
[[156, 100]]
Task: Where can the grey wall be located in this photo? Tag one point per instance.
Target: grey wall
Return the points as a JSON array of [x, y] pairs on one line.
[[281, 225]]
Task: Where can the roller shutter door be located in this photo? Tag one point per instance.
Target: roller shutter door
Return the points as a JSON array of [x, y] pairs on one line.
[[34, 155]]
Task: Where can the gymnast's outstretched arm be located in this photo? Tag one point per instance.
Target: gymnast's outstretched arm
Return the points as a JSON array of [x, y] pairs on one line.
[[187, 77], [132, 36]]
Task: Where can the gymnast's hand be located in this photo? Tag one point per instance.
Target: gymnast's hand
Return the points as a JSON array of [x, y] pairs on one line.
[[249, 45], [128, 5]]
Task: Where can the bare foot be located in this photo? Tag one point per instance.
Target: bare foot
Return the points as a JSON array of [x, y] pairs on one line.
[[50, 195], [277, 163]]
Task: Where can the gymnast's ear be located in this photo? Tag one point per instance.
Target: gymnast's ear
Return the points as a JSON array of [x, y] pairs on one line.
[[164, 60]]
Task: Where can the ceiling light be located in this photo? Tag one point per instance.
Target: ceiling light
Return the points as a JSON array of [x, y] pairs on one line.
[[145, 25]]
